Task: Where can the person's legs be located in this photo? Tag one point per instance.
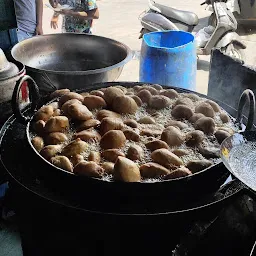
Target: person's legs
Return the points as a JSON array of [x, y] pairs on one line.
[[22, 35], [88, 31]]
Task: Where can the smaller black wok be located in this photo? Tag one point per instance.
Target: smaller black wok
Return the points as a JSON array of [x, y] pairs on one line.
[[238, 153], [177, 191]]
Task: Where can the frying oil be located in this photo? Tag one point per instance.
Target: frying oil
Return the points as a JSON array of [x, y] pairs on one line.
[[161, 117]]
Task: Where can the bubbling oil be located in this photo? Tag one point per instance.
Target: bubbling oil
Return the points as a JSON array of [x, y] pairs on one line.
[[162, 117], [242, 161]]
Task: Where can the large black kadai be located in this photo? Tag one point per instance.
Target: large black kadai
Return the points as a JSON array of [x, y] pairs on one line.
[[56, 218]]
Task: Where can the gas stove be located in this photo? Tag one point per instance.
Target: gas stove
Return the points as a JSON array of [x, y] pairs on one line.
[[229, 230]]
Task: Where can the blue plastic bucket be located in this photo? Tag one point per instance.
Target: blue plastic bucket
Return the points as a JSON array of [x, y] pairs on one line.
[[169, 58]]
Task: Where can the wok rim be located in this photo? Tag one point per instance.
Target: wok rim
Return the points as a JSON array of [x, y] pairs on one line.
[[114, 213], [108, 84], [120, 64], [253, 250]]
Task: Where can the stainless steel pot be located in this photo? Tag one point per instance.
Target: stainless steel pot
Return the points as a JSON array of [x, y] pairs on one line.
[[71, 60], [10, 73]]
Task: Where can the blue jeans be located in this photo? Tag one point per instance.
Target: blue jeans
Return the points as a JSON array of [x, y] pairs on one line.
[[87, 31], [22, 35]]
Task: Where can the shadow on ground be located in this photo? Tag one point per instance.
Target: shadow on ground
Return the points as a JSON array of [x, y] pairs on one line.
[[202, 23], [203, 65], [244, 30]]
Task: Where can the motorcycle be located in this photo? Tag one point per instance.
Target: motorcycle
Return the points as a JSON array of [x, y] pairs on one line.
[[222, 36], [243, 10], [159, 17]]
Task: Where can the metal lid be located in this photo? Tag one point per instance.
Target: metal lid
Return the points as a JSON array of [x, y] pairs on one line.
[[7, 69]]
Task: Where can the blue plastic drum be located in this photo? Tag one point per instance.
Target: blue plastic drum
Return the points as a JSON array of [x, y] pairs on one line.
[[169, 58]]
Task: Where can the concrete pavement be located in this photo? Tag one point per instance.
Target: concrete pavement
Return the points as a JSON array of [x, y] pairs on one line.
[[119, 20]]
